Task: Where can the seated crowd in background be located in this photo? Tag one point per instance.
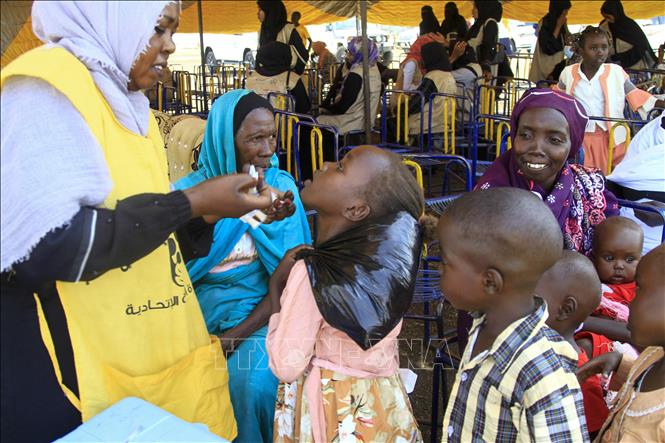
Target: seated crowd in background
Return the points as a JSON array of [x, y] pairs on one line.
[[261, 341]]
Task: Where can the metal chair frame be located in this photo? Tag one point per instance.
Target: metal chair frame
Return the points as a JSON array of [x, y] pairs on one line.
[[182, 82], [405, 119], [452, 102], [317, 152], [427, 290], [629, 125], [286, 130], [282, 99], [429, 159], [474, 146]]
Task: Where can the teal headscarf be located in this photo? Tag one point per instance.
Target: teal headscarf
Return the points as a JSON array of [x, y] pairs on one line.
[[218, 157]]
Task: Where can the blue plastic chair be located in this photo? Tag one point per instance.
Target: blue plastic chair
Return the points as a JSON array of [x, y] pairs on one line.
[[384, 122]]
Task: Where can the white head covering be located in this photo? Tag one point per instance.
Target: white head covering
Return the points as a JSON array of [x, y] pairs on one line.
[[643, 165], [47, 176], [108, 37]]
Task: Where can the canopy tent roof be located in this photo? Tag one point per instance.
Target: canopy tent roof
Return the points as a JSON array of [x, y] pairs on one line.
[[225, 17], [218, 19]]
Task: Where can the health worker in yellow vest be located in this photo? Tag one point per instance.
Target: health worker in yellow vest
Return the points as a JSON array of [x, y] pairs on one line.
[[96, 303]]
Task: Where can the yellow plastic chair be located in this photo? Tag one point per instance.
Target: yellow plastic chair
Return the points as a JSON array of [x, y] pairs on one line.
[[499, 136], [402, 117], [611, 144]]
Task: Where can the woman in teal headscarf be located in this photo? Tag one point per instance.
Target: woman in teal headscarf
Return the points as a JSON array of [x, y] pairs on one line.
[[232, 281]]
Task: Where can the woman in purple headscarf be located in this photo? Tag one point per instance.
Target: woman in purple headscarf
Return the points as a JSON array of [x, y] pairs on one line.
[[547, 129], [344, 107], [346, 110]]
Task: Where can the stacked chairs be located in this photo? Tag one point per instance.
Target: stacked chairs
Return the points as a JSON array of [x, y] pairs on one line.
[[429, 160], [520, 63], [447, 134], [224, 78], [402, 98], [194, 92], [286, 122], [244, 74], [323, 83], [491, 119], [454, 120], [484, 119], [184, 82], [427, 293], [497, 132], [312, 82], [230, 78], [333, 71], [514, 88], [206, 87], [213, 90], [316, 146], [486, 94], [502, 138], [282, 101], [162, 102]]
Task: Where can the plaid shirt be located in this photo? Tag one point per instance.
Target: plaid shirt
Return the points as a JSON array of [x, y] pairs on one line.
[[522, 389]]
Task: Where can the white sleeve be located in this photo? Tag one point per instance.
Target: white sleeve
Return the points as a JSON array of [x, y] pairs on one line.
[[409, 73]]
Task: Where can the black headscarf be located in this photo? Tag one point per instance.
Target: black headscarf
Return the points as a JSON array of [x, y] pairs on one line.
[[555, 10], [247, 104], [625, 28], [486, 9], [453, 21], [429, 21], [435, 57], [275, 20], [363, 279], [450, 11], [273, 58]]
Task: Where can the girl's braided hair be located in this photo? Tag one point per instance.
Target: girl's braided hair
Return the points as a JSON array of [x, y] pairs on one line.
[[589, 31]]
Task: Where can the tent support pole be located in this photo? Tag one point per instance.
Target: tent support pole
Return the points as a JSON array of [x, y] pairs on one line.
[[203, 59], [366, 91]]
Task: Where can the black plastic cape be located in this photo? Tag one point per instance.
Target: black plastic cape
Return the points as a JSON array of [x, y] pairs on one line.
[[363, 279]]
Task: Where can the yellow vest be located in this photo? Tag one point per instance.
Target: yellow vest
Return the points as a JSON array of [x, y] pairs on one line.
[[135, 331]]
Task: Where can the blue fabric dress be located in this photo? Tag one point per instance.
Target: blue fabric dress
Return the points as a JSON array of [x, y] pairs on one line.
[[227, 298]]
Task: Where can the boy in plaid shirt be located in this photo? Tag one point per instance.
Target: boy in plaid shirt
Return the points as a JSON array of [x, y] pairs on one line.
[[516, 380]]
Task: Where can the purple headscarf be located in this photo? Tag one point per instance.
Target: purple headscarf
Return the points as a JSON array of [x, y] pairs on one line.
[[579, 199], [566, 104], [356, 51]]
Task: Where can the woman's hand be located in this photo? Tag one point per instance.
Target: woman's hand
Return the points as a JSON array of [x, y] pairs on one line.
[[651, 219], [226, 197], [281, 275], [603, 364], [281, 208], [232, 338], [438, 37], [229, 342], [458, 50]]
